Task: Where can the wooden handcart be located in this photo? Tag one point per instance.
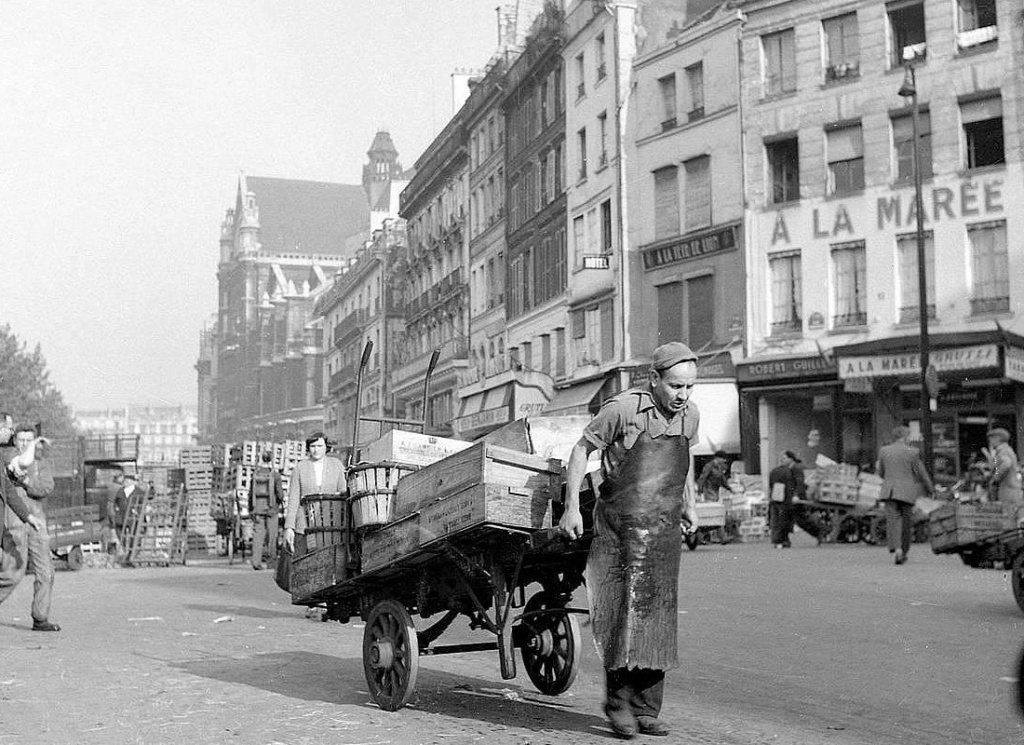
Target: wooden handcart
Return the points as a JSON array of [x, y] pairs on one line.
[[71, 528], [468, 547]]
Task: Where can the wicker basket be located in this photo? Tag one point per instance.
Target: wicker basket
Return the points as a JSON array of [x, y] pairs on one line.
[[371, 491], [326, 519]]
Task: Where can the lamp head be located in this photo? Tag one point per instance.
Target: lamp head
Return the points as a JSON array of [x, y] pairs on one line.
[[909, 88]]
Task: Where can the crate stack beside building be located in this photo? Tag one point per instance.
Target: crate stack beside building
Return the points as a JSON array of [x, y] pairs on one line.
[[195, 474]]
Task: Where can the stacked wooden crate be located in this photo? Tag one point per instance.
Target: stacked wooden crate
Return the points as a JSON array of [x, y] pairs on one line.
[[952, 526], [197, 476], [482, 484], [870, 489], [838, 484]]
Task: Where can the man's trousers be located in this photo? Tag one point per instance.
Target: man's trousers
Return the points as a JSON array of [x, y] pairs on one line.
[[25, 548]]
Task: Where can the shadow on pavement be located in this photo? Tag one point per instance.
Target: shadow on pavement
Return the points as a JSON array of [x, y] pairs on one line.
[[335, 680], [248, 611]]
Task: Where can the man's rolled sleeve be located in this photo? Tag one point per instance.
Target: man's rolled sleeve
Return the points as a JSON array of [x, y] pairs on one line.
[[691, 422], [606, 426]]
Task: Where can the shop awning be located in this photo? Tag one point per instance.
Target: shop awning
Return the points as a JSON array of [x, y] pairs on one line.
[[472, 404], [719, 405], [575, 399], [485, 409]]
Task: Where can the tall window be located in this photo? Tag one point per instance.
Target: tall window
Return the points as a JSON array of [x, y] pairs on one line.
[[906, 247], [559, 166], [560, 353], [581, 153], [903, 145], [784, 170], [700, 311], [544, 111], [845, 160], [607, 237], [976, 22], [983, 131], [990, 267], [579, 241], [698, 192], [545, 353], [849, 269], [667, 86], [666, 202], [906, 31], [695, 87], [542, 181], [602, 125], [787, 293], [842, 47], [779, 62], [670, 312], [602, 71], [581, 75]]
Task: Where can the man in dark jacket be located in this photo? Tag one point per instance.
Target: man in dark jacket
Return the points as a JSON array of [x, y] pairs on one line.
[[785, 481], [904, 479]]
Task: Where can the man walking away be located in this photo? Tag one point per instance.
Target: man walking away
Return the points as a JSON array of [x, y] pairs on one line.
[[904, 479], [264, 499]]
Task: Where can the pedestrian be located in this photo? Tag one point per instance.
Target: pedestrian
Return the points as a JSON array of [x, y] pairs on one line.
[[644, 436], [785, 482], [1004, 484], [29, 550], [904, 479], [120, 507], [714, 477], [265, 496], [318, 474]]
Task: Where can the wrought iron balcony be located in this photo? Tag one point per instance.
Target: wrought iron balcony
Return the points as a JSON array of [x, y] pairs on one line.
[[982, 305], [848, 320]]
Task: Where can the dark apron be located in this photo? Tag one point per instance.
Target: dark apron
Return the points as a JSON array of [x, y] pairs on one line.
[[633, 567]]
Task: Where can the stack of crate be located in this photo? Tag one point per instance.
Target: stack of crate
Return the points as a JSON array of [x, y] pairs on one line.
[[870, 489], [838, 484], [198, 478]]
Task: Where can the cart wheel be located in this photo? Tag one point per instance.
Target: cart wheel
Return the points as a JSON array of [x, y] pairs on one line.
[[75, 558], [1017, 579], [692, 540], [550, 645], [391, 655]]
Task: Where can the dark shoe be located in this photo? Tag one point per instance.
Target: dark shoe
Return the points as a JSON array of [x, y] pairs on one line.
[[44, 626], [622, 721], [901, 558], [258, 567], [652, 726], [787, 544]]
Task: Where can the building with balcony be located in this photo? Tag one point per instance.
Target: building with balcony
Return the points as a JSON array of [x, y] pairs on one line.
[[831, 360], [365, 304], [535, 232], [432, 274], [163, 430], [686, 209]]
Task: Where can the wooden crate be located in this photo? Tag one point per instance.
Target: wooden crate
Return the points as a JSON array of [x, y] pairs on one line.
[[390, 543], [952, 526], [318, 570], [481, 463], [412, 448], [710, 514], [484, 503]]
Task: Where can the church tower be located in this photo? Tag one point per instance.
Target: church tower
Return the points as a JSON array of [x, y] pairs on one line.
[[382, 168]]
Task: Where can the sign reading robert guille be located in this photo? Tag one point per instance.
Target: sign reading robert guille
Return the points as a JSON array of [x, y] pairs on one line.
[[909, 363], [794, 368], [1014, 361]]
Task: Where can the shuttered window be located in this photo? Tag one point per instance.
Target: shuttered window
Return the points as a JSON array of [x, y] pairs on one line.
[[906, 246], [607, 331], [700, 311], [698, 193], [903, 145], [779, 55], [670, 312], [666, 202]]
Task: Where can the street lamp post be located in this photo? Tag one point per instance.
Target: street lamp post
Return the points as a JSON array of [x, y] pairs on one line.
[[909, 90]]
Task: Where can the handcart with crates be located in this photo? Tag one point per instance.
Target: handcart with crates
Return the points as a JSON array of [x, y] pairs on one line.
[[843, 504], [467, 535], [71, 529]]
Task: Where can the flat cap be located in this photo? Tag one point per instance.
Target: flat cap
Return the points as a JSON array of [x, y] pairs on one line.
[[671, 354], [793, 457], [999, 433]]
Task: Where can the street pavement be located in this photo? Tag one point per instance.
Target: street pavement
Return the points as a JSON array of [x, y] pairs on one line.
[[831, 645]]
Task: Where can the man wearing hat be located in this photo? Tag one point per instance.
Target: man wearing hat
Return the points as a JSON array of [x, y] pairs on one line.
[[117, 509], [904, 479], [644, 436], [1004, 485], [785, 481]]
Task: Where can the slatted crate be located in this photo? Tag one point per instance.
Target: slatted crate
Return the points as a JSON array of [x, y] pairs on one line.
[[955, 525], [195, 456]]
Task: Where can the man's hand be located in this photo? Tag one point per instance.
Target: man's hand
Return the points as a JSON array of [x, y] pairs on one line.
[[289, 538], [571, 524], [36, 522]]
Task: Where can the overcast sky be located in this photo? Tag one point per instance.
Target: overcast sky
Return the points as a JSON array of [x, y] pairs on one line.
[[124, 126]]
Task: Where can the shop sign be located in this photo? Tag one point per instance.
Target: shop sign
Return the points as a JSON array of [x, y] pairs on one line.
[[1015, 363], [485, 418], [689, 248], [858, 385], [800, 367], [909, 363]]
